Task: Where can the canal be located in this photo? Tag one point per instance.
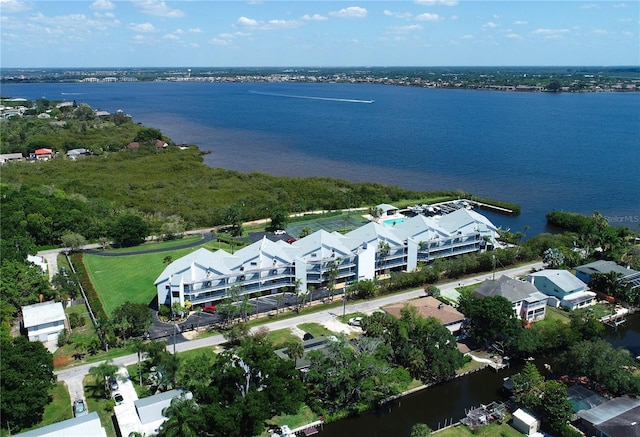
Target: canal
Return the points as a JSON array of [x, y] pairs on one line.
[[448, 401]]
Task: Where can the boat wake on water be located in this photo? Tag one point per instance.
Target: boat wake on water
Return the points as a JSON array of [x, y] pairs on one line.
[[331, 99]]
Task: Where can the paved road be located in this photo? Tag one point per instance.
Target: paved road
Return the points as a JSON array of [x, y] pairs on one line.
[[73, 376]]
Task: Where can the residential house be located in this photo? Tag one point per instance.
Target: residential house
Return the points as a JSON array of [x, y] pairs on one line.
[[429, 306], [10, 157], [567, 289], [87, 425], [619, 417], [75, 153], [134, 145], [160, 144], [44, 154], [145, 415], [314, 344], [586, 272], [321, 258], [528, 303], [39, 261], [44, 321]]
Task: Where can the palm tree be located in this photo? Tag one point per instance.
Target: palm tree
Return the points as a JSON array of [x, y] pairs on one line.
[[140, 347], [295, 350], [183, 419], [102, 372]]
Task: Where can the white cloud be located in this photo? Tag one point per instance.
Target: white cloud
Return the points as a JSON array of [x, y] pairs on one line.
[[599, 32], [250, 23], [314, 17], [437, 2], [102, 5], [350, 12], [143, 28], [403, 15], [170, 36], [590, 6], [520, 22], [158, 8], [550, 33], [195, 30], [13, 6], [428, 17], [468, 36], [246, 22], [394, 30], [513, 36], [489, 25]]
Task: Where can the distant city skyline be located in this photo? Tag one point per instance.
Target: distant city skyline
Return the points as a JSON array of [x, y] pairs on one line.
[[154, 33]]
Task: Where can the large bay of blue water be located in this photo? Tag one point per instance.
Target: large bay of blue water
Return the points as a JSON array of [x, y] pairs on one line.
[[573, 152]]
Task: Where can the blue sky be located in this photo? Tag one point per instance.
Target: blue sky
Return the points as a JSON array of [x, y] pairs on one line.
[[155, 33]]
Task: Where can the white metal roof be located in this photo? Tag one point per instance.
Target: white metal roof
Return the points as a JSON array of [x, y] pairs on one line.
[[41, 313]]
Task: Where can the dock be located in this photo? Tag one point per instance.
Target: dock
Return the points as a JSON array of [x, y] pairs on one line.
[[444, 208], [616, 319]]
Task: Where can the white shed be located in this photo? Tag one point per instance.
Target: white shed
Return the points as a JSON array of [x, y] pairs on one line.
[[525, 422]]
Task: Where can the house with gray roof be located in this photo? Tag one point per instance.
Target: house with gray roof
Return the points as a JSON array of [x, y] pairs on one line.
[[87, 425], [44, 321], [619, 417], [569, 291], [528, 303], [267, 267], [146, 415], [586, 271]]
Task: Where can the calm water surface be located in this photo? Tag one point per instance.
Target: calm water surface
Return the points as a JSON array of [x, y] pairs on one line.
[[449, 400], [575, 152]]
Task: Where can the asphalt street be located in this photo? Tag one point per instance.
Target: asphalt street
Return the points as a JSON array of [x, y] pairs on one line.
[[73, 376]]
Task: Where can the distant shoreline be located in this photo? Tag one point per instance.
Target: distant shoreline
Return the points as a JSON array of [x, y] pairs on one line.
[[516, 79]]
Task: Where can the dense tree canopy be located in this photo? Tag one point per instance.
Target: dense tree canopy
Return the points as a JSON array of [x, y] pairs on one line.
[[134, 319], [237, 390], [129, 230], [27, 376], [22, 284], [491, 318], [352, 377]]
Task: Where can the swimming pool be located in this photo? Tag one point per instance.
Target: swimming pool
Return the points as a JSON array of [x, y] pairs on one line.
[[394, 221]]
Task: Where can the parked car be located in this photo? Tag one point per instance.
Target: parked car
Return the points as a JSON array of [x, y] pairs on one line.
[[63, 271], [79, 409], [117, 398], [292, 240], [113, 383], [355, 321], [280, 232], [307, 336], [209, 309]]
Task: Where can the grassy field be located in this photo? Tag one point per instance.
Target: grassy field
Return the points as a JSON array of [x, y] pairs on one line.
[[157, 245], [121, 278], [60, 407]]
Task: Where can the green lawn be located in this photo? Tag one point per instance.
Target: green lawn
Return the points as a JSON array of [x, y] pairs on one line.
[[156, 245], [60, 407], [315, 329], [304, 416], [121, 278], [281, 336]]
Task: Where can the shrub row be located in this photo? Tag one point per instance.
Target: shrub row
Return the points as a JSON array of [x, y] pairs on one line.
[[93, 301]]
